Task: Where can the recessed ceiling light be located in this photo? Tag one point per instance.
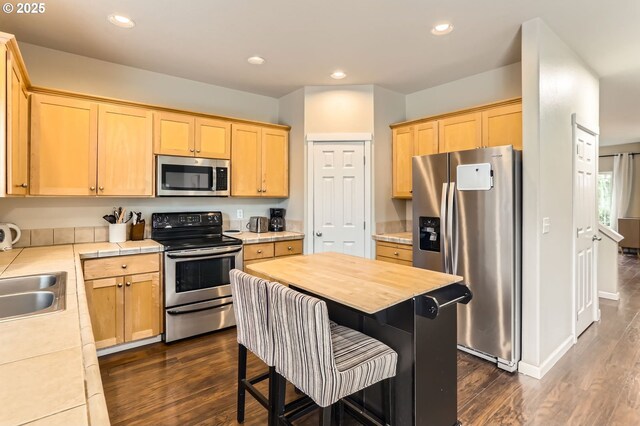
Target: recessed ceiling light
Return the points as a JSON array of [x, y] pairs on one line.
[[442, 29], [121, 21], [256, 60], [338, 75]]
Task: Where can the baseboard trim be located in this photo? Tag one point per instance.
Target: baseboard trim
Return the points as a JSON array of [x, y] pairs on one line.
[[538, 372], [129, 345], [608, 295]]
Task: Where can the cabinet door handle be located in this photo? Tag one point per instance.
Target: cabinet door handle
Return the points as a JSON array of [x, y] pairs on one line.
[[289, 248], [259, 251], [128, 283], [259, 190], [119, 284], [395, 252], [92, 188], [124, 266], [191, 150], [197, 150], [24, 185], [101, 188], [264, 190]]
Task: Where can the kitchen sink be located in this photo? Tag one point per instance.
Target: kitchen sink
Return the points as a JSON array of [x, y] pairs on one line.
[[32, 295], [28, 283]]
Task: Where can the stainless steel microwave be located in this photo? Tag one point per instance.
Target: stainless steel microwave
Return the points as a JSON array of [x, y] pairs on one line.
[[192, 177]]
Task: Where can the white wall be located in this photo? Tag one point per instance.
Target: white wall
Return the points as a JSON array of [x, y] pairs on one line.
[[490, 86], [555, 84], [60, 70], [66, 71], [333, 109], [292, 113], [388, 108]]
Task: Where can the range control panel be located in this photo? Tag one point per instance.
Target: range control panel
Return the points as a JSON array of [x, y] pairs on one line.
[[429, 233], [184, 220]]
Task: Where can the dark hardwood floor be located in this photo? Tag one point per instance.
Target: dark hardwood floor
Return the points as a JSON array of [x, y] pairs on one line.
[[596, 383]]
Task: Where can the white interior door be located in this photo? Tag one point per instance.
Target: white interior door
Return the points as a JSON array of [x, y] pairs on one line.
[[338, 198], [585, 292]]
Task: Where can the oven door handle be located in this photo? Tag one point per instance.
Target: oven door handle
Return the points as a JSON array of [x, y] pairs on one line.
[[196, 254], [182, 311]]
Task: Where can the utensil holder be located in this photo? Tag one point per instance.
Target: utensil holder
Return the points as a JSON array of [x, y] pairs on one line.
[[137, 231], [117, 232]]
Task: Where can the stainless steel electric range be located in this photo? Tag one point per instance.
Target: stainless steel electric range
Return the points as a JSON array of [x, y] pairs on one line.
[[197, 261]]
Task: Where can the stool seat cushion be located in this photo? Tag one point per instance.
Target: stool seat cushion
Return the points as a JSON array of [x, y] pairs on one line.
[[352, 348]]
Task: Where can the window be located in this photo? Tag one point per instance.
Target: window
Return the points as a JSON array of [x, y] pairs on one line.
[[605, 185]]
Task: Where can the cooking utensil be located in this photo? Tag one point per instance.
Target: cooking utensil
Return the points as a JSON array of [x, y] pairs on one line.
[[109, 218]]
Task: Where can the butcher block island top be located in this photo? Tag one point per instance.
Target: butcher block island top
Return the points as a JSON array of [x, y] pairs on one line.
[[366, 285]]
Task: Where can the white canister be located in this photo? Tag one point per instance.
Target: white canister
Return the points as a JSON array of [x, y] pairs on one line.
[[117, 232]]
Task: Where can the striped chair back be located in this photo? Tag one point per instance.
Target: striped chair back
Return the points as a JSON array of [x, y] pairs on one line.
[[302, 341], [250, 307]]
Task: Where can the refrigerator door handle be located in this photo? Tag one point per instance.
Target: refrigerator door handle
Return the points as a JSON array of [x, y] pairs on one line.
[[443, 228], [452, 228]]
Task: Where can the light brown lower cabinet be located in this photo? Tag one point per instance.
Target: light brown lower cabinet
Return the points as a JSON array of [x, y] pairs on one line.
[[124, 308], [401, 254], [262, 252]]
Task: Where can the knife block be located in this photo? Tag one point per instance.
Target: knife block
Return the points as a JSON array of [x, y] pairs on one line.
[[137, 231]]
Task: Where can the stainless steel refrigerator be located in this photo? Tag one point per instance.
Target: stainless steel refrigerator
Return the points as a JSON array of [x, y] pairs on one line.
[[467, 221]]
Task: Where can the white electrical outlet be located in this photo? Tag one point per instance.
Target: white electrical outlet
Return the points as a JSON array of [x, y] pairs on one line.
[[546, 225], [239, 214]]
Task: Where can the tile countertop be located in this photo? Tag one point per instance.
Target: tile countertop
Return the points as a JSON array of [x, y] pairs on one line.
[[48, 363], [266, 237], [398, 237]]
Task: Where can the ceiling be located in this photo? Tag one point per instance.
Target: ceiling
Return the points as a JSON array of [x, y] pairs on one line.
[[383, 42]]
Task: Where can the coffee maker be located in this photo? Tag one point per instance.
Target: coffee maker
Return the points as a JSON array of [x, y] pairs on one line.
[[276, 222]]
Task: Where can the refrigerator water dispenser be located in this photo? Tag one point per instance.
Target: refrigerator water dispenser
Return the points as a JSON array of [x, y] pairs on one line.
[[429, 233]]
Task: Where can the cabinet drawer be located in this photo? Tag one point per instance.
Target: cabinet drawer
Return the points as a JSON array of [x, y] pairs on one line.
[[121, 265], [258, 251], [395, 253], [396, 261], [286, 248]]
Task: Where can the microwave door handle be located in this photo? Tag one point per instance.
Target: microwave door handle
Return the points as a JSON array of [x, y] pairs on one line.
[[204, 253]]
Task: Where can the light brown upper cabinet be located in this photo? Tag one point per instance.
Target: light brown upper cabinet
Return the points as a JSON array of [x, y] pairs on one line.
[[460, 132], [420, 139], [125, 151], [188, 136], [502, 126], [17, 131], [64, 139], [85, 148], [174, 134], [212, 138], [275, 163], [259, 161], [402, 153]]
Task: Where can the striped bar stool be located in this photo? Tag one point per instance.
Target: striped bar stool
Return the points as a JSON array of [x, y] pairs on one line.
[[250, 310], [324, 360]]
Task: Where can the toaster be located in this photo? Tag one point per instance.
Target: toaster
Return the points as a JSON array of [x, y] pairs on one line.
[[258, 224]]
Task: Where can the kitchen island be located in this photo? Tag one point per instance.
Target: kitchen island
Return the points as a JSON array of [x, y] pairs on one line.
[[411, 310]]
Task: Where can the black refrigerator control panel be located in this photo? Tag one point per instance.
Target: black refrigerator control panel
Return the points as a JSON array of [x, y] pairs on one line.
[[429, 233]]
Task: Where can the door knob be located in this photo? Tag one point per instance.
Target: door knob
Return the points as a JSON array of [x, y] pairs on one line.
[[596, 238], [128, 284], [191, 150], [101, 188], [119, 284], [124, 266], [197, 150], [318, 234], [93, 188], [24, 185]]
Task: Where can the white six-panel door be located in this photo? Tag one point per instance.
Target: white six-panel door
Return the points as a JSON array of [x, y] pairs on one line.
[[338, 200], [586, 294]]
